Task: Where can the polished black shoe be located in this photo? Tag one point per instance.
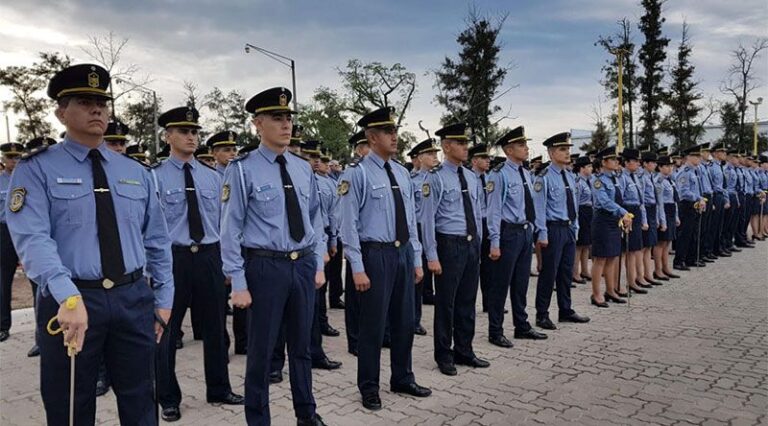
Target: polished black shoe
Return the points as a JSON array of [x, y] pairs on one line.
[[545, 323], [574, 317], [500, 341], [473, 362], [579, 280], [734, 249], [171, 414], [706, 259], [659, 277], [275, 377], [643, 285], [372, 402], [620, 294], [179, 343], [449, 369], [638, 291], [326, 364], [421, 331], [338, 304], [701, 264], [724, 254], [586, 277], [653, 282], [34, 351], [4, 335], [609, 298], [329, 331], [241, 351], [681, 267], [229, 399], [602, 304], [312, 421], [412, 389], [530, 334], [673, 276]]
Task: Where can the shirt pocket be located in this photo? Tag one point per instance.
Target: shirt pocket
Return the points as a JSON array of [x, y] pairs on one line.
[[452, 195], [210, 200], [131, 199], [70, 204], [267, 200], [175, 203], [378, 194]]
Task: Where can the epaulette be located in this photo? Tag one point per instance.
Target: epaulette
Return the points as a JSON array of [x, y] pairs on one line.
[[212, 168], [156, 164], [499, 166], [136, 160], [436, 168], [300, 156], [242, 156], [543, 172], [30, 154]]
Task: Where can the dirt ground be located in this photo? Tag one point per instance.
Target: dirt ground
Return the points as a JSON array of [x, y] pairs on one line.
[[21, 294]]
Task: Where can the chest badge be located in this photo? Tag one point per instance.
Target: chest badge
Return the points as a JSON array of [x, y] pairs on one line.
[[538, 186]]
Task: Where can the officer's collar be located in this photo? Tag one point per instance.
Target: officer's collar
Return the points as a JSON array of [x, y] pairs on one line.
[[449, 165], [555, 167], [270, 155], [512, 164], [376, 159], [80, 152], [220, 166], [179, 164]]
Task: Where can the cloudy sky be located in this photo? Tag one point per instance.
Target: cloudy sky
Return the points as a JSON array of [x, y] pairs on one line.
[[550, 41]]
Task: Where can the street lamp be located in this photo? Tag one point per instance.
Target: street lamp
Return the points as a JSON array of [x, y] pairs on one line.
[[288, 62], [154, 149], [620, 113], [754, 127]]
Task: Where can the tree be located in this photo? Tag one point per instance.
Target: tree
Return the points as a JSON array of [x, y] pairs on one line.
[[469, 86], [652, 55], [326, 119], [600, 136], [741, 80], [139, 115], [621, 41], [27, 85], [227, 113]]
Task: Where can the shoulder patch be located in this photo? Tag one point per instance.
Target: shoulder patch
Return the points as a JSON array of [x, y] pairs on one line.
[[225, 192], [17, 197], [598, 184], [343, 188], [242, 156], [30, 154], [436, 168]]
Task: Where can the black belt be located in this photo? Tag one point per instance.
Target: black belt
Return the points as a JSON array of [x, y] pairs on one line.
[[290, 255], [195, 248], [465, 238], [558, 223], [514, 226], [380, 244], [106, 283]]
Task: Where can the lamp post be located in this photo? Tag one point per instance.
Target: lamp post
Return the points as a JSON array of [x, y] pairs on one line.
[[155, 148], [619, 53], [754, 125], [288, 62]]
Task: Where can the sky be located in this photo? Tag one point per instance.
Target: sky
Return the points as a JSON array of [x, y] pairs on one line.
[[550, 43]]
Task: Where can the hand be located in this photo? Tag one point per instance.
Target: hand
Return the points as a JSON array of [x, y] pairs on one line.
[[727, 206], [361, 280], [627, 222], [542, 244], [319, 279], [645, 227], [332, 251], [435, 267], [74, 323], [241, 299], [677, 222], [495, 253], [663, 228], [228, 281], [326, 258], [165, 315], [418, 275]]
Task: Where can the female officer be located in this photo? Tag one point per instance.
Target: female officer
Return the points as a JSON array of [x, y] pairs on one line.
[[583, 169], [668, 230], [633, 203]]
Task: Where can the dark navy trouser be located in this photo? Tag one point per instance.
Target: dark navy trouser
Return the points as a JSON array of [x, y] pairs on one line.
[[510, 273], [556, 269]]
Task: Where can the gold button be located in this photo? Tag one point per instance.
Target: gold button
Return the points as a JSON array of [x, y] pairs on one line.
[[107, 283], [397, 243], [194, 249], [469, 238], [294, 255]]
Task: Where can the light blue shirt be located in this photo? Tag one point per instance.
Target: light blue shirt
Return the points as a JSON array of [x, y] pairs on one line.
[[706, 181], [584, 190], [731, 179], [506, 200], [220, 169], [443, 209], [549, 197], [55, 231], [633, 193], [418, 179], [368, 207], [715, 170], [329, 203], [173, 198], [605, 186], [253, 214], [5, 183], [666, 190], [484, 193], [688, 184]]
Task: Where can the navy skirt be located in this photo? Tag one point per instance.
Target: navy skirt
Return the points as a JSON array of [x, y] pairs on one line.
[[635, 239], [756, 205], [585, 226], [606, 236], [650, 237], [671, 233]]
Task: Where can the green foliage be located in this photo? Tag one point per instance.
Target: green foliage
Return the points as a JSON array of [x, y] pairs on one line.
[[652, 56], [227, 113]]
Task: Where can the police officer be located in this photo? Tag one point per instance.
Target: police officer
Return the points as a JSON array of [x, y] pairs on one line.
[[480, 161], [378, 228], [582, 168], [705, 239], [667, 202], [731, 181], [511, 222], [9, 259], [452, 223], [720, 203], [691, 207], [273, 248], [633, 202], [189, 193], [655, 216], [204, 156], [116, 136], [137, 152], [554, 196], [86, 223], [296, 133]]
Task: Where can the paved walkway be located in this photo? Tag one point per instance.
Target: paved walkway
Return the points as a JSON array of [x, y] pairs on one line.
[[694, 351]]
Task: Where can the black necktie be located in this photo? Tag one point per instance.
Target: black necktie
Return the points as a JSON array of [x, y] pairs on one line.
[[110, 249], [530, 211], [401, 223], [725, 178], [569, 197], [675, 196], [469, 214], [617, 198], [193, 209], [637, 188], [295, 223], [485, 193]]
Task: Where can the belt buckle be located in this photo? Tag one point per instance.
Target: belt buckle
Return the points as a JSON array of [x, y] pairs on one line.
[[294, 255], [194, 248], [107, 283], [469, 238], [397, 243]]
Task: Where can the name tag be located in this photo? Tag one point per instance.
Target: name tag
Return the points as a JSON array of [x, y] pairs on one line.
[[130, 182], [69, 181], [264, 187]]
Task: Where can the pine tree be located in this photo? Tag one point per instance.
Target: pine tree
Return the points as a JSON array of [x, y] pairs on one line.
[[652, 56], [682, 98]]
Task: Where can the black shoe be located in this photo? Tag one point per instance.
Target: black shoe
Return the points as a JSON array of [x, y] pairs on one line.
[[449, 369], [473, 362], [34, 351], [579, 280], [4, 335], [574, 317], [241, 351], [700, 264], [602, 304], [659, 277], [706, 259], [275, 377], [352, 352], [387, 344], [654, 282], [724, 254], [530, 334], [610, 298], [179, 343], [329, 331], [337, 304], [372, 402], [171, 414], [229, 399], [673, 276], [643, 285], [500, 341], [620, 294], [586, 277], [638, 291], [734, 250], [545, 323], [421, 331], [412, 389], [681, 267], [326, 364], [313, 421]]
